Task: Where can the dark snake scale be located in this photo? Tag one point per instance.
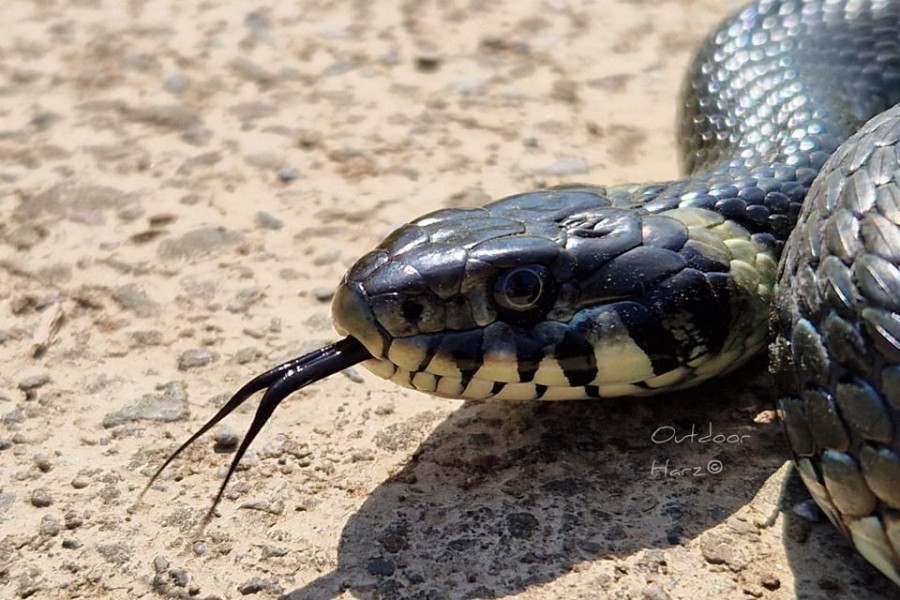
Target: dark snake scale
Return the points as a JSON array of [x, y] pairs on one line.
[[588, 292]]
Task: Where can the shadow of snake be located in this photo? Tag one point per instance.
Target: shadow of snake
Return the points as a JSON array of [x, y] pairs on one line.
[[502, 497]]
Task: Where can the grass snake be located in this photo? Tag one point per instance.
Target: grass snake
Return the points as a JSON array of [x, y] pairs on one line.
[[584, 291]]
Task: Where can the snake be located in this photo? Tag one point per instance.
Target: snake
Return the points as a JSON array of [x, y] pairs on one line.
[[783, 234]]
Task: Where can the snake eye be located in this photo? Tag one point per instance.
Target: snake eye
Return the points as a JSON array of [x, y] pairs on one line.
[[522, 289]]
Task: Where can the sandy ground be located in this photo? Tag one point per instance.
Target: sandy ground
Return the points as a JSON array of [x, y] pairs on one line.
[[181, 187]]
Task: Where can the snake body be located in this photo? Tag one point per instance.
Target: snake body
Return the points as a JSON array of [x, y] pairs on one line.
[[588, 291]]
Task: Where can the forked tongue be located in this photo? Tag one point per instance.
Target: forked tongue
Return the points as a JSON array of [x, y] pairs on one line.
[[279, 383]]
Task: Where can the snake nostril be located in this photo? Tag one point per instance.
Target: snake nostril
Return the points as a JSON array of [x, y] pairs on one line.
[[411, 310]]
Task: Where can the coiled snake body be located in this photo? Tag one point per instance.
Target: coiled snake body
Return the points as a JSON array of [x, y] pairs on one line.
[[588, 291]]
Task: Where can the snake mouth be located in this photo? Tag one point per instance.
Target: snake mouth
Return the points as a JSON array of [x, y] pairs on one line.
[[278, 383]]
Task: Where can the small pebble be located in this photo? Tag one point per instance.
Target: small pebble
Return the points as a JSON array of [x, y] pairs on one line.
[[654, 592], [131, 297], [71, 544], [131, 212], [361, 455], [160, 564], [289, 274], [253, 586], [176, 84], [322, 294], [50, 526], [199, 548], [275, 507], [268, 220], [246, 355], [198, 242], [33, 382], [326, 258], [288, 174], [270, 551], [41, 498], [179, 577], [428, 63], [353, 375], [251, 71], [5, 444], [147, 338], [73, 520], [565, 90], [257, 333], [225, 438], [42, 462], [197, 136], [171, 116], [245, 298], [168, 404], [308, 138], [194, 359], [263, 160], [80, 482]]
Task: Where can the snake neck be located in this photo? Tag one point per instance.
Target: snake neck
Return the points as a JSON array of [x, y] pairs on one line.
[[768, 98]]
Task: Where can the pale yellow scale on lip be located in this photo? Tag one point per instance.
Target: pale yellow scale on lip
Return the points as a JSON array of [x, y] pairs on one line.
[[478, 389], [618, 358], [449, 387], [426, 382], [621, 360], [499, 366], [549, 373], [381, 367]]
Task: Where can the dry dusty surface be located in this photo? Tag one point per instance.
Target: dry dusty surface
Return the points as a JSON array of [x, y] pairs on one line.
[[181, 186]]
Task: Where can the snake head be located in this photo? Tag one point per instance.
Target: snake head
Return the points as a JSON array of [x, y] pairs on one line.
[[555, 294]]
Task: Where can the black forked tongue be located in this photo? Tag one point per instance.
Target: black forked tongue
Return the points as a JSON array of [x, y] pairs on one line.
[[279, 383]]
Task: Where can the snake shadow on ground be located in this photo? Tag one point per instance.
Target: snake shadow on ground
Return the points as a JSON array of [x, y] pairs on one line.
[[502, 497]]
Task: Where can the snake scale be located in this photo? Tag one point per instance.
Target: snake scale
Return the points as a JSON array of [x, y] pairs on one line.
[[584, 291]]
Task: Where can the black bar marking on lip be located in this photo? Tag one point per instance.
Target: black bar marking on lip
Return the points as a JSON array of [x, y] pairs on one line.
[[576, 359]]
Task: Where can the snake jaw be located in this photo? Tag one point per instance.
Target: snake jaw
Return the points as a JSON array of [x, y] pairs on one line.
[[278, 383]]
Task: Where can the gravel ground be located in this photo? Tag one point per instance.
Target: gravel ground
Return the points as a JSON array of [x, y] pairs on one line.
[[183, 184]]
